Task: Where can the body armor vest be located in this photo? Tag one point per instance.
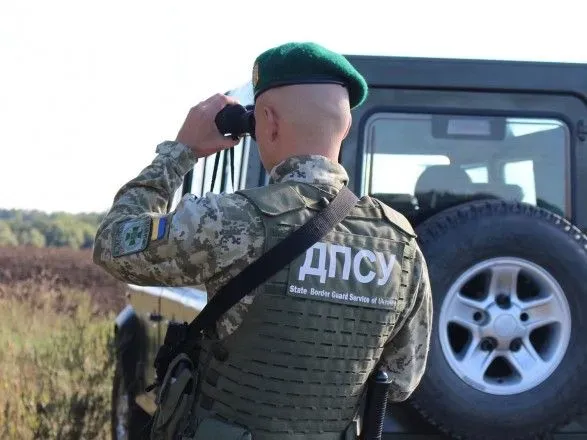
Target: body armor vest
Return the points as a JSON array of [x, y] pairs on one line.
[[297, 366]]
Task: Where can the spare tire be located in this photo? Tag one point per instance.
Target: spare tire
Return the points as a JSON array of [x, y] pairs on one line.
[[508, 356]]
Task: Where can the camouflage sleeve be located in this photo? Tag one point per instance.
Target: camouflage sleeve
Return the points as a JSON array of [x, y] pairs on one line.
[[406, 352], [139, 243]]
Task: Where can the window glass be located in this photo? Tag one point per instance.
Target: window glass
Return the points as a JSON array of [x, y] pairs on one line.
[[521, 173], [410, 166], [419, 163], [204, 170], [478, 174]]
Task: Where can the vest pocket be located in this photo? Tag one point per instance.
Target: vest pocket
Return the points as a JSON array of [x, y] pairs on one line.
[[211, 428]]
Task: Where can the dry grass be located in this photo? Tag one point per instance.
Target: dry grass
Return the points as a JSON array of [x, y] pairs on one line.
[[56, 361]]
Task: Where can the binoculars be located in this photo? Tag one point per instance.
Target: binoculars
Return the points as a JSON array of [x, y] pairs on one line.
[[236, 121]]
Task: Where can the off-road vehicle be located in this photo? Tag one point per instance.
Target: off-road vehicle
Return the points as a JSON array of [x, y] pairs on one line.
[[488, 160]]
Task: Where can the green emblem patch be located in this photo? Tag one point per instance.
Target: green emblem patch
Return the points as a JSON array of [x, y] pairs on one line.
[[130, 237]]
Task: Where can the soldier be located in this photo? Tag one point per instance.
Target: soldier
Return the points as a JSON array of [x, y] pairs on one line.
[[299, 349]]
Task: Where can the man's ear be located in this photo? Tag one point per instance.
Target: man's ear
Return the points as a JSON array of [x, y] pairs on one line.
[[272, 121], [348, 127]]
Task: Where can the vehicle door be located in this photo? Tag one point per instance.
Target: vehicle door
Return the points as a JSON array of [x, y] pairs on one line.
[[511, 145]]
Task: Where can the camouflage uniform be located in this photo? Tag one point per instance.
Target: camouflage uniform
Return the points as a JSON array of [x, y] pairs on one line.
[[208, 240]]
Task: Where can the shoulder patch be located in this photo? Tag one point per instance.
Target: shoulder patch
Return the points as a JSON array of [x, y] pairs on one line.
[[160, 227], [397, 219], [130, 237], [275, 199]]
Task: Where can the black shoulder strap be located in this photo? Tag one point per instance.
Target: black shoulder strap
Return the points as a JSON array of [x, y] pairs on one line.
[[274, 260]]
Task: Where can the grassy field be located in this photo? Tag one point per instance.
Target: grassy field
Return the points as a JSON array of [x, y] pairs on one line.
[[56, 361]]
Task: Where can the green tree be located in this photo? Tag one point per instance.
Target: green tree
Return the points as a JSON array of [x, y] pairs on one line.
[[64, 233], [7, 237], [37, 228], [32, 237]]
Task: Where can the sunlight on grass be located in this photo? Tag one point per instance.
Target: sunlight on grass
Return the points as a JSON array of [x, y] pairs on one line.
[[56, 364]]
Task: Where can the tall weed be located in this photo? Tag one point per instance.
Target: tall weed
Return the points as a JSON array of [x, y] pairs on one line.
[[56, 364]]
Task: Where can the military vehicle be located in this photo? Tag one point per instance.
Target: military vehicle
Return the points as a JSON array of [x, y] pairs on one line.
[[488, 160]]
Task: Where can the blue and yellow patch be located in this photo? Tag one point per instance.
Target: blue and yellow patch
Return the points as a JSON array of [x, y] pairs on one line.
[[135, 235], [159, 228]]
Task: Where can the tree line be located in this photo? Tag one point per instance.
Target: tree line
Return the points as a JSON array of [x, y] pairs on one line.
[[40, 229]]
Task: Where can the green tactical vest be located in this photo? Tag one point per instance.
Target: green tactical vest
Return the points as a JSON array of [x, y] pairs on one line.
[[297, 366]]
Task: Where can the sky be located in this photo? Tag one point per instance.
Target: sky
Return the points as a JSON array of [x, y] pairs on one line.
[[88, 89]]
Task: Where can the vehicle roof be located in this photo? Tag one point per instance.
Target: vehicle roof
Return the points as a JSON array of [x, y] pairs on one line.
[[472, 74], [459, 74]]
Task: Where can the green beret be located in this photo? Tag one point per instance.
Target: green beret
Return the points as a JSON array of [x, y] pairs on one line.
[[307, 63]]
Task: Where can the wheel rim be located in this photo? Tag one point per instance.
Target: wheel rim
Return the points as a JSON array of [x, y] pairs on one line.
[[504, 326], [121, 414]]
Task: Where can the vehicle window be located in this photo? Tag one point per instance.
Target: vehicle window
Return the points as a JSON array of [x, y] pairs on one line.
[[418, 163], [411, 166], [204, 170], [478, 174], [521, 173]]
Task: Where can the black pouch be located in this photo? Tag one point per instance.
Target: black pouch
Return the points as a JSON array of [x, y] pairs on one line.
[[176, 342], [175, 399]]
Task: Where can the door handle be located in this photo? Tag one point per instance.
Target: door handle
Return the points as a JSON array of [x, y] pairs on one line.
[[156, 317]]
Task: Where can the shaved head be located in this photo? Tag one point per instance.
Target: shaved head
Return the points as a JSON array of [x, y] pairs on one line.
[[301, 119]]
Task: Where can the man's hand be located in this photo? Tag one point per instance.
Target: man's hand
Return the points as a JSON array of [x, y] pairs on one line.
[[199, 131]]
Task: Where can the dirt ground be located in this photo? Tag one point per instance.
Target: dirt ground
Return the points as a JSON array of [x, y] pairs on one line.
[[60, 268]]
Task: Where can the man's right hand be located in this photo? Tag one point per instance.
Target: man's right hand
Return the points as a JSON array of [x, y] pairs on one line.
[[199, 131]]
